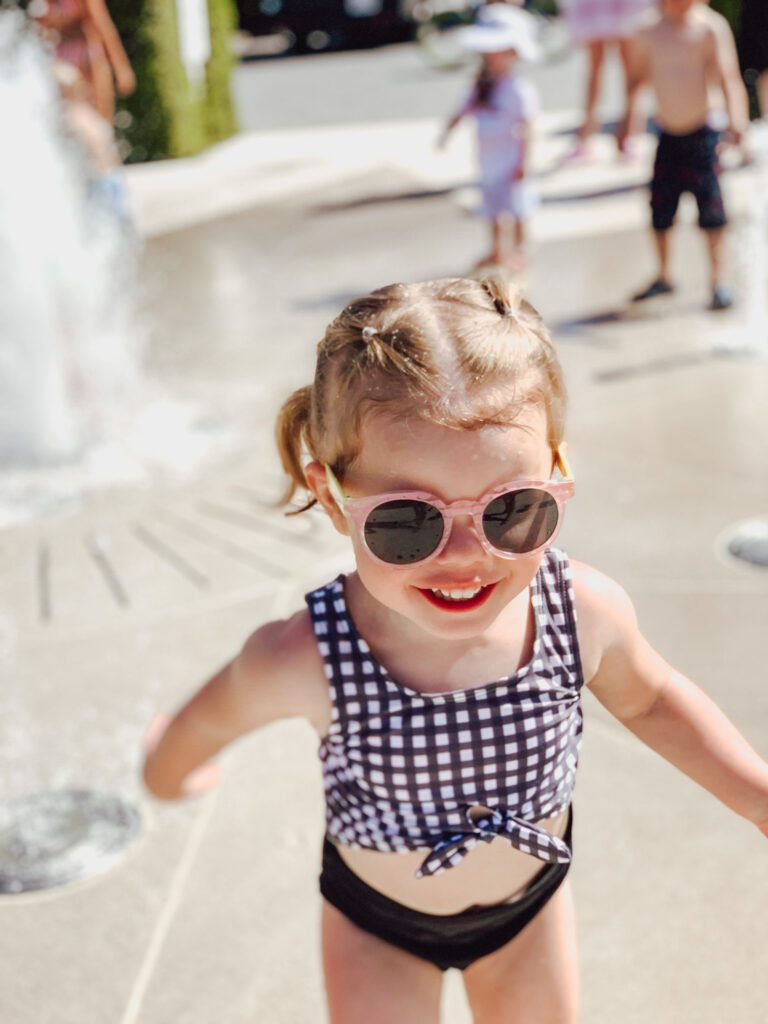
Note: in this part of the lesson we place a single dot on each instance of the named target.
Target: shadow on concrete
(663, 364)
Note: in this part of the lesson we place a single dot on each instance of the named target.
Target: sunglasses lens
(521, 521)
(401, 532)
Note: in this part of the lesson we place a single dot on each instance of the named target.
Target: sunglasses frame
(356, 510)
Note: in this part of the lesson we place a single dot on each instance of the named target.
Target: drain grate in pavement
(44, 581)
(171, 557)
(222, 545)
(97, 544)
(252, 521)
(164, 557)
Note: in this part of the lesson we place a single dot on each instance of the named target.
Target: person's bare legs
(516, 259)
(722, 296)
(596, 58)
(715, 238)
(762, 94)
(630, 124)
(519, 234)
(497, 252)
(369, 980)
(534, 978)
(661, 242)
(661, 285)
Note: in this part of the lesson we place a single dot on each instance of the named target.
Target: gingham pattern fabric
(405, 770)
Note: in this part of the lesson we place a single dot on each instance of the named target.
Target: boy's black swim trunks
(687, 163)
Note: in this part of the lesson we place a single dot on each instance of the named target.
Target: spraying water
(76, 413)
(69, 355)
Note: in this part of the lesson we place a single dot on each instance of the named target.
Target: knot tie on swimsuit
(485, 824)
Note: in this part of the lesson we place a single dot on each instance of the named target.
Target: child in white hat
(503, 105)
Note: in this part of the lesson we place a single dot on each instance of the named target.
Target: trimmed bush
(167, 116)
(731, 9)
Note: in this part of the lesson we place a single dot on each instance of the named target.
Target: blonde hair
(462, 353)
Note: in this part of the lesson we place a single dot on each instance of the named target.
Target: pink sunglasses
(514, 520)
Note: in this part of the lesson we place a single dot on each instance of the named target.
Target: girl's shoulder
(282, 657)
(605, 614)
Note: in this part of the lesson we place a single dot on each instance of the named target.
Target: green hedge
(166, 116)
(731, 9)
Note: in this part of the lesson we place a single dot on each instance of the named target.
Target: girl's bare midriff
(491, 873)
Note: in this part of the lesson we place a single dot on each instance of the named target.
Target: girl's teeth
(457, 595)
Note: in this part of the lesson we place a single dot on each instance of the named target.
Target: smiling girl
(443, 675)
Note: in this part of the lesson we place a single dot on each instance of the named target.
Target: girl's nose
(463, 544)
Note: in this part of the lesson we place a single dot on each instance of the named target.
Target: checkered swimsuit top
(405, 770)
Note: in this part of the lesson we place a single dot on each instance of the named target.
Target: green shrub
(218, 110)
(166, 115)
(731, 9)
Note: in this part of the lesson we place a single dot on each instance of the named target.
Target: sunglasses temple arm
(562, 464)
(334, 487)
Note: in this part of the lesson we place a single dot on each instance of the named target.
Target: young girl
(503, 105)
(444, 674)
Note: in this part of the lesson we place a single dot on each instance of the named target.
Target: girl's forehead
(408, 452)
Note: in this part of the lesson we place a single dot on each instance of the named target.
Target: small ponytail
(292, 432)
(508, 299)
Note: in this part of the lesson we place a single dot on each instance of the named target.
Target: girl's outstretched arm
(660, 706)
(278, 674)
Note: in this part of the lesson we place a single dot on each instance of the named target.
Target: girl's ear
(314, 473)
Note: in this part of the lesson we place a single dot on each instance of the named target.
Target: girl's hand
(155, 732)
(200, 780)
(208, 776)
(763, 826)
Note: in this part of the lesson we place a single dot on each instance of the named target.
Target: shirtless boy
(682, 56)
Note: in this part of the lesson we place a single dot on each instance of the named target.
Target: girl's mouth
(457, 600)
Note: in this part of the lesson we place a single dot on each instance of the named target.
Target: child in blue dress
(444, 674)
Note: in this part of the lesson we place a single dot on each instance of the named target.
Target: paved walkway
(124, 605)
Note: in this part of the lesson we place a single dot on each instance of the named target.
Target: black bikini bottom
(446, 940)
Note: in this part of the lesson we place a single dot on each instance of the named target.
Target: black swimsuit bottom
(445, 940)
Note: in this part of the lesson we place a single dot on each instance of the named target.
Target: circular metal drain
(53, 838)
(748, 542)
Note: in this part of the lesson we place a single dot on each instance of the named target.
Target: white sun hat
(499, 27)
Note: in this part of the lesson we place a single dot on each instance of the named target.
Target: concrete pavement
(127, 602)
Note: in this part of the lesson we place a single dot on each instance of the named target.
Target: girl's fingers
(155, 732)
(202, 779)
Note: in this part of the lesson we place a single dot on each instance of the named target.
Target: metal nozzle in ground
(748, 542)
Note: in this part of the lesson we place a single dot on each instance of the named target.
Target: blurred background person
(83, 34)
(598, 25)
(96, 139)
(503, 105)
(680, 55)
